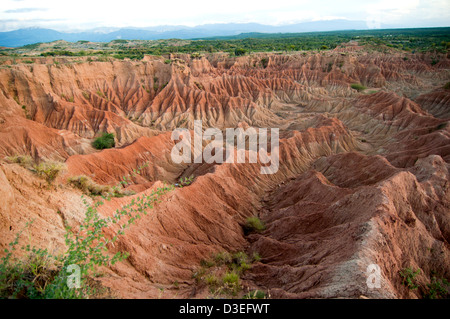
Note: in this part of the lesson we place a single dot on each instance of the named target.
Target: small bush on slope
(253, 224)
(222, 272)
(104, 141)
(48, 170)
(91, 188)
(358, 87)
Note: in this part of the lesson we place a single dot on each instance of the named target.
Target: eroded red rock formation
(363, 177)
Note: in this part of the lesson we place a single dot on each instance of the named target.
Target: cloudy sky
(87, 14)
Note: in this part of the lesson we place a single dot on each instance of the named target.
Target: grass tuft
(253, 224)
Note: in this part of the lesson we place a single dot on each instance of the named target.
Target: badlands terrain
(363, 174)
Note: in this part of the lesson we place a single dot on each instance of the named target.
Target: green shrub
(240, 263)
(49, 170)
(88, 186)
(358, 87)
(222, 272)
(264, 62)
(24, 108)
(223, 258)
(244, 266)
(240, 258)
(239, 51)
(23, 160)
(104, 141)
(409, 277)
(26, 278)
(437, 289)
(253, 224)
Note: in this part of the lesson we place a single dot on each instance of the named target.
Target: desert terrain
(363, 172)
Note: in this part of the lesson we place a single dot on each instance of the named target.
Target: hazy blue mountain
(22, 37)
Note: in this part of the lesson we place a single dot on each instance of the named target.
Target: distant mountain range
(23, 37)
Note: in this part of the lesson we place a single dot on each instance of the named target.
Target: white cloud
(89, 13)
(390, 11)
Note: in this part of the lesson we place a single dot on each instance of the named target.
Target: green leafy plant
(28, 277)
(106, 140)
(409, 277)
(437, 289)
